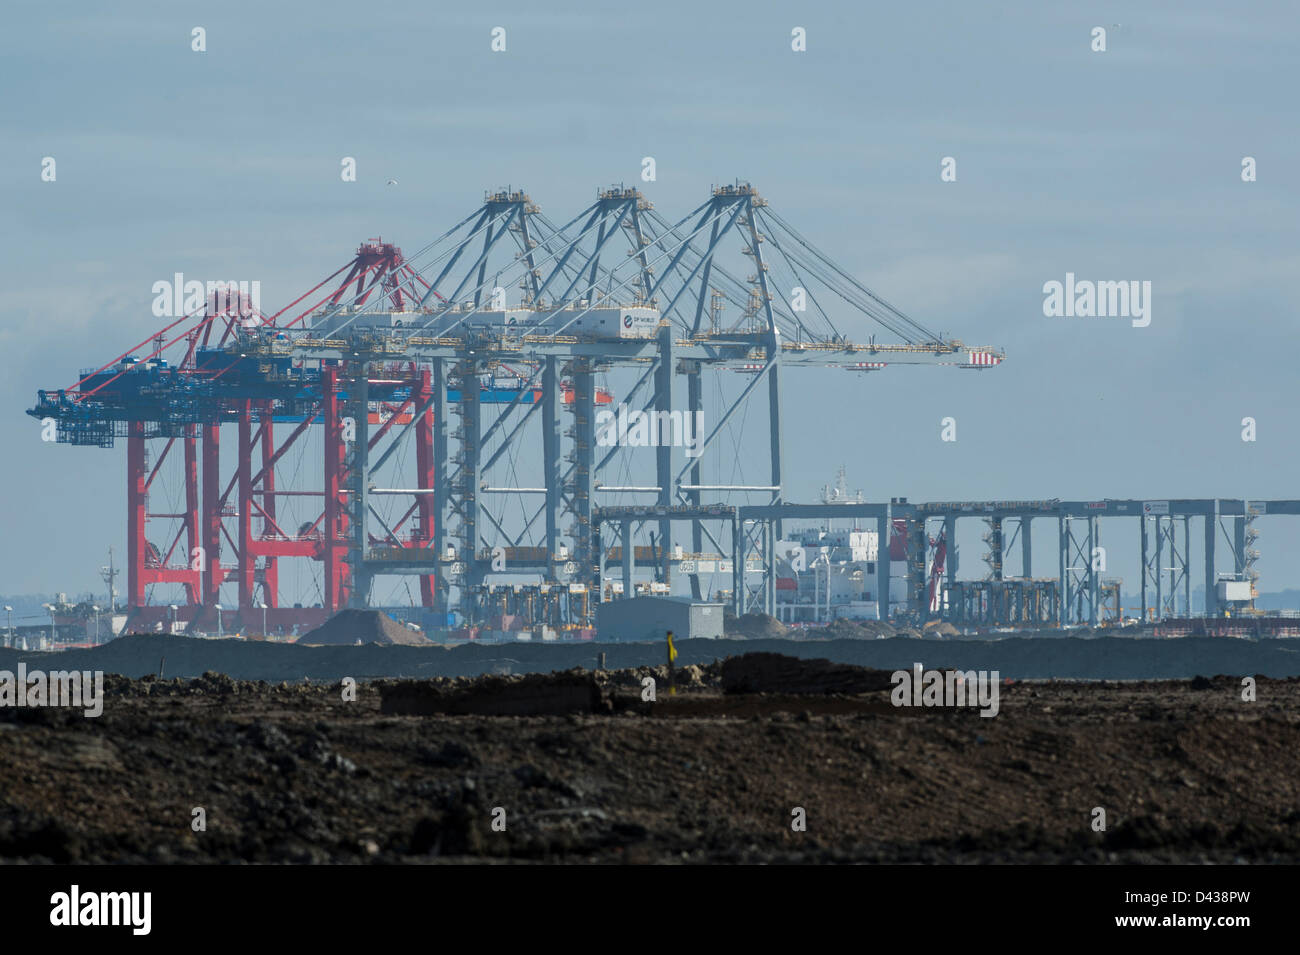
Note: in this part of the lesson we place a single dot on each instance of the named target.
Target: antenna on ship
(109, 575)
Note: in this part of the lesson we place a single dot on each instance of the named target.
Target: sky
(1117, 165)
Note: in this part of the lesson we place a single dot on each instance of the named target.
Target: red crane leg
(211, 437)
(136, 503)
(271, 575)
(247, 559)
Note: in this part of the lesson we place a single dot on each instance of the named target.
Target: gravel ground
(1021, 658)
(1186, 772)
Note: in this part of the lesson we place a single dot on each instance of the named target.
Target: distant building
(641, 619)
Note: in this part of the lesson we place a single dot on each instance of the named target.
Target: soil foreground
(580, 768)
(1020, 658)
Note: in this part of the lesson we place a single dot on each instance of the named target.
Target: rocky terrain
(1017, 657)
(419, 772)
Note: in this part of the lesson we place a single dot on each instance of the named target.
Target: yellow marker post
(672, 655)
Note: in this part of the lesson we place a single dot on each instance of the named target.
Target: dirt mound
(844, 629)
(538, 694)
(1019, 658)
(940, 628)
(874, 629)
(776, 673)
(755, 626)
(350, 627)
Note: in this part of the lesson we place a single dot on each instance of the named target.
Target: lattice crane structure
(493, 350)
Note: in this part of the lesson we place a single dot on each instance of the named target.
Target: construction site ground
(1113, 657)
(582, 769)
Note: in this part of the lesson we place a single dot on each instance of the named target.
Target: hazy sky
(1117, 165)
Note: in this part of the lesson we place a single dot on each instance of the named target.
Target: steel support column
(1211, 579)
(663, 403)
(769, 564)
(334, 533)
(629, 588)
(584, 411)
(694, 405)
(1094, 542)
(358, 484)
(774, 427)
(426, 479)
(193, 532)
(270, 572)
(994, 541)
(950, 557)
(1143, 615)
(211, 513)
(1239, 543)
(1063, 552)
(884, 528)
(471, 477)
(551, 479)
(737, 565)
(441, 475)
(1159, 574)
(1026, 548)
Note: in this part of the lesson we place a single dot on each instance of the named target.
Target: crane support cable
(769, 213)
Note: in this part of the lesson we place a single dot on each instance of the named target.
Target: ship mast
(109, 575)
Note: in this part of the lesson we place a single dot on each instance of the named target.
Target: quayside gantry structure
(1178, 540)
(552, 378)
